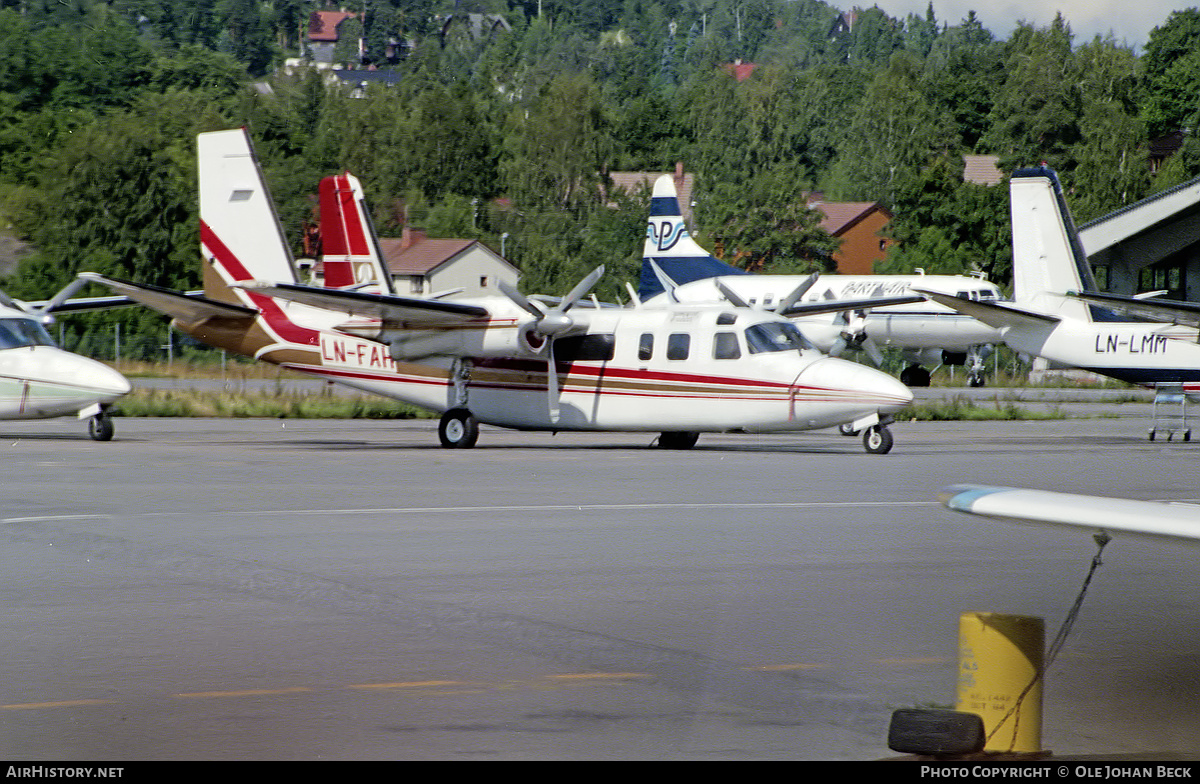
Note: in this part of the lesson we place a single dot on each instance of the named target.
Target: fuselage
(641, 369)
(39, 380)
(918, 325)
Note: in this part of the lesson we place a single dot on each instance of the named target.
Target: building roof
(741, 71)
(423, 255)
(982, 169)
(684, 185)
(323, 25)
(841, 216)
(1127, 222)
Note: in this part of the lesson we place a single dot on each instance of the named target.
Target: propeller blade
(797, 293)
(581, 289)
(838, 347)
(873, 352)
(552, 383)
(519, 299)
(664, 280)
(730, 295)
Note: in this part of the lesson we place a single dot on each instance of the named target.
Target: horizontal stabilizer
(188, 307)
(1112, 515)
(995, 314)
(1170, 311)
(413, 312)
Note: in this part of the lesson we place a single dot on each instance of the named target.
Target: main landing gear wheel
(100, 428)
(458, 429)
(680, 440)
(877, 440)
(914, 376)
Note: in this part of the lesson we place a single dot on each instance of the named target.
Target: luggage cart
(1174, 419)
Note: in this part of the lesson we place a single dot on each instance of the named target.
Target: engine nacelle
(518, 340)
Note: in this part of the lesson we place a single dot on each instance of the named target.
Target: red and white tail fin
(241, 239)
(349, 247)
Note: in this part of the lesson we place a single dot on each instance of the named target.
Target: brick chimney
(410, 237)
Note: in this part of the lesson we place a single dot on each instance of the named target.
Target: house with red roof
(860, 227)
(324, 30)
(421, 265)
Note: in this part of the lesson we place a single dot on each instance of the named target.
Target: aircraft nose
(100, 377)
(866, 385)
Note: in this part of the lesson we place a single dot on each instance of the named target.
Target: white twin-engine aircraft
(1058, 314)
(39, 380)
(674, 266)
(501, 360)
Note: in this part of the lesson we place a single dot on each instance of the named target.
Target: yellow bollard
(999, 657)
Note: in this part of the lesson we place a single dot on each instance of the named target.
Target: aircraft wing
(994, 314)
(839, 305)
(411, 311)
(188, 307)
(1112, 515)
(1167, 310)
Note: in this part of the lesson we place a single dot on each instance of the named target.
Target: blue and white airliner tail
(670, 246)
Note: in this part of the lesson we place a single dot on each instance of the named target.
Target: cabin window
(725, 346)
(727, 318)
(646, 346)
(775, 336)
(679, 345)
(585, 348)
(483, 281)
(21, 332)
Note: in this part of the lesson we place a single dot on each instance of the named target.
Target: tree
(766, 225)
(1038, 108)
(893, 134)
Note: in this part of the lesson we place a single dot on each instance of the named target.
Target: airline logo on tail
(669, 245)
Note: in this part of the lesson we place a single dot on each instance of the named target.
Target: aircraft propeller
(854, 336)
(553, 324)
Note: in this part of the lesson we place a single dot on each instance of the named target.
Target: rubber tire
(976, 381)
(914, 376)
(877, 440)
(684, 439)
(100, 428)
(933, 732)
(458, 429)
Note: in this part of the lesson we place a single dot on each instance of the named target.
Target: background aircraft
(878, 309)
(1096, 513)
(503, 360)
(40, 380)
(1050, 318)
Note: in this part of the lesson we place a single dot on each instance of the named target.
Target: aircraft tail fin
(669, 245)
(351, 256)
(1047, 254)
(241, 239)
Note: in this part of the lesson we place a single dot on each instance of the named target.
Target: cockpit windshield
(775, 336)
(22, 332)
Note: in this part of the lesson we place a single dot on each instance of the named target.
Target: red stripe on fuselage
(535, 365)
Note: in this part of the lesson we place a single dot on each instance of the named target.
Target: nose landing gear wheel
(458, 429)
(877, 440)
(100, 428)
